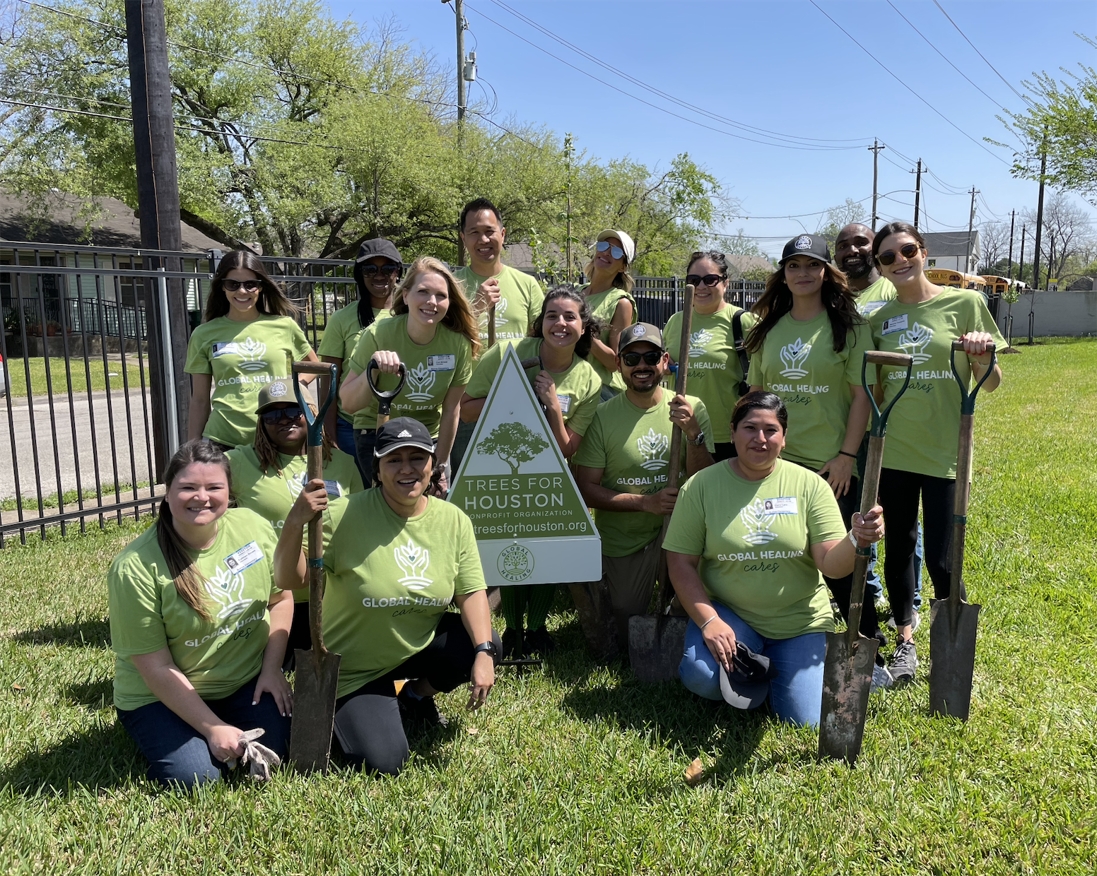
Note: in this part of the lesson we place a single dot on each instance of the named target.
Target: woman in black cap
(807, 346)
(377, 270)
(396, 560)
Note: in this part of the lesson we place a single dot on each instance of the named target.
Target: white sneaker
(915, 620)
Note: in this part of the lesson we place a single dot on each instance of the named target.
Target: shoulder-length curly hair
(272, 300)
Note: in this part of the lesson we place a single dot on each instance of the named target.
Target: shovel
(655, 644)
(384, 398)
(847, 672)
(954, 622)
(317, 670)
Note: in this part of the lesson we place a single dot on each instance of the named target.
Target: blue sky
(780, 66)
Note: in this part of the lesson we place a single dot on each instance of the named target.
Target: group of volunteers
(762, 533)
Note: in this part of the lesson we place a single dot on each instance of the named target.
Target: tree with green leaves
(513, 443)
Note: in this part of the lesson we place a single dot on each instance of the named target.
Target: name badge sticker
(780, 505)
(225, 348)
(245, 557)
(442, 362)
(565, 403)
(334, 490)
(893, 325)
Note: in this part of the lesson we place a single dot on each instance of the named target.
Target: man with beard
(623, 473)
(853, 254)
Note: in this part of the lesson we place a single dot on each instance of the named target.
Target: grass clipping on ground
(576, 768)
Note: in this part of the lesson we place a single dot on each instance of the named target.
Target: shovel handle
(534, 362)
(967, 399)
(894, 360)
(384, 397)
(491, 326)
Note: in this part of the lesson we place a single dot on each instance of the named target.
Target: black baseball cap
(747, 685)
(402, 432)
(641, 331)
(806, 244)
(378, 246)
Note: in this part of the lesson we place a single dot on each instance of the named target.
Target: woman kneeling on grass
(396, 560)
(198, 627)
(748, 543)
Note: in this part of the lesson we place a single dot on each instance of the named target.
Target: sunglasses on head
(707, 280)
(383, 270)
(614, 251)
(246, 285)
(651, 357)
(281, 415)
(907, 251)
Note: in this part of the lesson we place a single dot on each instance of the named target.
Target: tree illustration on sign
(514, 444)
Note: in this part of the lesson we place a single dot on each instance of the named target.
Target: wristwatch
(490, 647)
(699, 440)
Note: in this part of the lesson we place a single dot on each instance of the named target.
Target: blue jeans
(178, 754)
(795, 695)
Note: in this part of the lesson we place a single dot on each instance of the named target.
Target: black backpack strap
(741, 350)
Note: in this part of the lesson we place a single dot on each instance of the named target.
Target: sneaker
(512, 644)
(539, 642)
(903, 662)
(881, 679)
(423, 711)
(915, 620)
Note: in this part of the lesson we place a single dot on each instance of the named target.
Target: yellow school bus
(956, 279)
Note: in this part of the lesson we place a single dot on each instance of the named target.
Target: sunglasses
(246, 285)
(907, 251)
(707, 280)
(614, 251)
(383, 270)
(651, 357)
(281, 415)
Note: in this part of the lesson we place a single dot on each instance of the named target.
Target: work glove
(256, 757)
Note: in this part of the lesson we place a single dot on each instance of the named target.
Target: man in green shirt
(623, 474)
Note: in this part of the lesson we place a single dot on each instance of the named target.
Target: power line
(907, 87)
(980, 54)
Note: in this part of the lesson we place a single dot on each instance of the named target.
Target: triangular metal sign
(532, 525)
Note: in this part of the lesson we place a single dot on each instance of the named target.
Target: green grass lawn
(577, 768)
(76, 376)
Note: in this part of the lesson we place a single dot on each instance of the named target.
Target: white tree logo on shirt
(914, 342)
(757, 520)
(413, 561)
(226, 590)
(794, 356)
(698, 341)
(653, 448)
(500, 314)
(296, 484)
(251, 355)
(420, 382)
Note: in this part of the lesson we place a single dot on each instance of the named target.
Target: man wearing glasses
(623, 474)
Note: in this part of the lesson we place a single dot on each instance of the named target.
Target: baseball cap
(747, 685)
(402, 432)
(378, 246)
(626, 242)
(641, 331)
(806, 244)
(279, 392)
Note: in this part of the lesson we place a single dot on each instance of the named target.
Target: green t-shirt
(872, 298)
(757, 560)
(714, 372)
(242, 357)
(432, 369)
(271, 495)
(578, 388)
(341, 335)
(147, 613)
(602, 307)
(520, 299)
(923, 430)
(632, 447)
(389, 578)
(797, 362)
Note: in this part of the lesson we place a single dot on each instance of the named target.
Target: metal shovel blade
(654, 648)
(315, 683)
(847, 678)
(952, 635)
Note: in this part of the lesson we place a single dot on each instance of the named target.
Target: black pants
(899, 495)
(841, 588)
(367, 721)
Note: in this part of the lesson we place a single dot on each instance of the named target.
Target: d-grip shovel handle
(894, 360)
(534, 362)
(967, 399)
(315, 421)
(384, 398)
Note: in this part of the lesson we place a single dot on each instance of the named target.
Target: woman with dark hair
(568, 389)
(749, 541)
(715, 371)
(198, 627)
(433, 333)
(248, 338)
(923, 432)
(609, 294)
(377, 270)
(808, 346)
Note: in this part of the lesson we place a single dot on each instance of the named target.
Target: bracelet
(850, 455)
(710, 620)
(853, 539)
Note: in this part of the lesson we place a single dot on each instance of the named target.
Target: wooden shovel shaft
(869, 491)
(491, 326)
(316, 553)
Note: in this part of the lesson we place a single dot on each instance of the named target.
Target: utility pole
(917, 193)
(1021, 258)
(158, 205)
(1009, 269)
(1039, 223)
(970, 225)
(459, 9)
(569, 153)
(875, 149)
